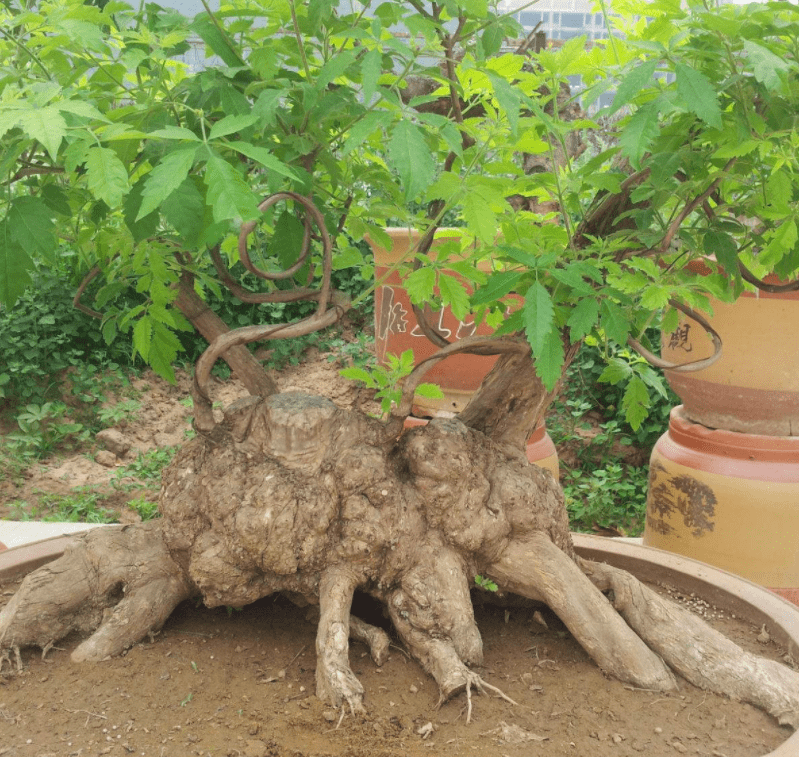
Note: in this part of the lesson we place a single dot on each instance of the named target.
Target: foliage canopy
(113, 148)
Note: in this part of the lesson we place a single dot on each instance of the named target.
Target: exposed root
(537, 569)
(119, 583)
(375, 638)
(335, 682)
(699, 653)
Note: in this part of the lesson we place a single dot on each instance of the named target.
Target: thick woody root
(118, 583)
(537, 569)
(699, 653)
(336, 684)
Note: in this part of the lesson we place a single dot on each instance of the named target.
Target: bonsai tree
(308, 133)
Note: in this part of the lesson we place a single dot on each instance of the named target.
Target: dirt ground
(241, 684)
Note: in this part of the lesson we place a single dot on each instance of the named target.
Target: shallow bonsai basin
(726, 591)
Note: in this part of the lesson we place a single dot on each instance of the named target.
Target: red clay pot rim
(725, 590)
(732, 444)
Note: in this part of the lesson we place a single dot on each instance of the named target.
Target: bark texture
(290, 493)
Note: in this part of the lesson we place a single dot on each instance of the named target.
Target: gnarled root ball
(292, 494)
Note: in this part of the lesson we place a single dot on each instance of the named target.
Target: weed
(147, 466)
(146, 508)
(359, 353)
(485, 583)
(187, 700)
(386, 380)
(44, 427)
(613, 496)
(82, 505)
(117, 413)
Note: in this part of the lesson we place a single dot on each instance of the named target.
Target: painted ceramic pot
(729, 499)
(540, 447)
(754, 386)
(397, 330)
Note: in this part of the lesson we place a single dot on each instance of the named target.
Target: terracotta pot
(726, 591)
(754, 387)
(540, 447)
(728, 499)
(397, 330)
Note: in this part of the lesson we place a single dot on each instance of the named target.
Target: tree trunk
(241, 361)
(512, 400)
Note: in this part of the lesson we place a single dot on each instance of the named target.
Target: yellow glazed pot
(754, 386)
(729, 499)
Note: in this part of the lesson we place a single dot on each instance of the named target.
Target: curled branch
(331, 306)
(473, 345)
(692, 366)
(747, 275)
(203, 414)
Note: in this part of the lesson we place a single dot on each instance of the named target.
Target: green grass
(82, 505)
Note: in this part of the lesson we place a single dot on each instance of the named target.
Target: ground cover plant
(318, 126)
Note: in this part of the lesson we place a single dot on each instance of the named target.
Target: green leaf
(635, 402)
(492, 40)
(454, 294)
(614, 322)
(15, 265)
(164, 348)
(480, 219)
(228, 193)
(265, 158)
(347, 257)
(363, 129)
(165, 178)
(31, 225)
(143, 336)
(267, 104)
(231, 125)
(632, 84)
(549, 361)
(539, 316)
(572, 276)
(582, 319)
(56, 199)
(655, 297)
(616, 371)
(420, 284)
(358, 374)
(639, 132)
(173, 132)
(766, 66)
(430, 391)
(286, 242)
(46, 125)
(371, 68)
(498, 285)
(723, 247)
(185, 210)
(107, 177)
(508, 99)
(217, 40)
(782, 241)
(334, 68)
(81, 108)
(698, 94)
(411, 159)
